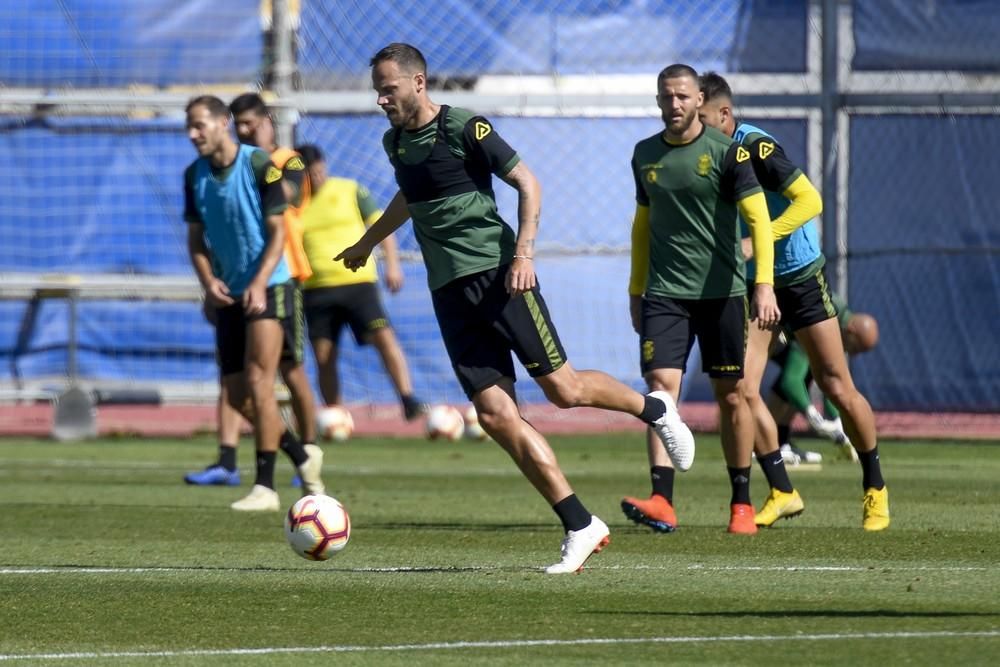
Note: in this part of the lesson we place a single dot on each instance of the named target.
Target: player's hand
(765, 306)
(746, 245)
(520, 276)
(635, 311)
(393, 279)
(217, 294)
(255, 299)
(356, 256)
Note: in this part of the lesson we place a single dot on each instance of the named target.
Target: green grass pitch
(107, 558)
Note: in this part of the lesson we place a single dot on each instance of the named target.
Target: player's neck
(687, 136)
(225, 155)
(425, 114)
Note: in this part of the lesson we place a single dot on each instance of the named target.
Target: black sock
(653, 409)
(784, 434)
(572, 513)
(871, 470)
(774, 470)
(663, 481)
(739, 478)
(227, 457)
(265, 469)
(292, 448)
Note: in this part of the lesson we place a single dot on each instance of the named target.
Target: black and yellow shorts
(804, 303)
(481, 325)
(358, 306)
(284, 303)
(669, 327)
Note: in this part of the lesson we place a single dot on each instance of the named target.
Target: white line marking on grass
(523, 643)
(834, 568)
(455, 569)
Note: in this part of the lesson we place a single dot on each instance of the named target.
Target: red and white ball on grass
(317, 527)
(334, 422)
(444, 422)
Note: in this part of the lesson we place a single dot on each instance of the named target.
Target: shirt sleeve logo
(765, 148)
(651, 176)
(704, 164)
(295, 164)
(482, 130)
(742, 154)
(273, 174)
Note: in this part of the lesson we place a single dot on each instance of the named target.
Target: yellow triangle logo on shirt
(482, 129)
(765, 148)
(273, 174)
(742, 154)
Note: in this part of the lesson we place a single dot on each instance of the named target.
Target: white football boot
(310, 470)
(260, 499)
(674, 433)
(579, 545)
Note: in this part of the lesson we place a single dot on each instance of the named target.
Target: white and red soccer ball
(444, 422)
(334, 422)
(317, 527)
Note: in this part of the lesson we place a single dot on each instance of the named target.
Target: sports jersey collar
(663, 138)
(432, 121)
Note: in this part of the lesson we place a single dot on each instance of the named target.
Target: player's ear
(419, 81)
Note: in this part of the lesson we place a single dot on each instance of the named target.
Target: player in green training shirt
(483, 285)
(688, 277)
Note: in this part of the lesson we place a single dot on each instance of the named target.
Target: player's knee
(257, 380)
(497, 418)
(836, 388)
(751, 394)
(729, 395)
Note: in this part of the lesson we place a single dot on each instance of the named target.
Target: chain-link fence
(91, 106)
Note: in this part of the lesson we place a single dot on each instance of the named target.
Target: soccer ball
(334, 422)
(444, 422)
(317, 527)
(473, 430)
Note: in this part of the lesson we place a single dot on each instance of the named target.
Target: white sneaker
(674, 433)
(793, 455)
(310, 471)
(579, 545)
(789, 456)
(260, 499)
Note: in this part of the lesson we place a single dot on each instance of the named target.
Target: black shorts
(284, 303)
(669, 327)
(481, 325)
(804, 304)
(359, 306)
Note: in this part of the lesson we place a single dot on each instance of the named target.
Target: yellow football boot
(779, 505)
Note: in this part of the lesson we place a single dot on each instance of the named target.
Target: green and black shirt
(691, 191)
(445, 170)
